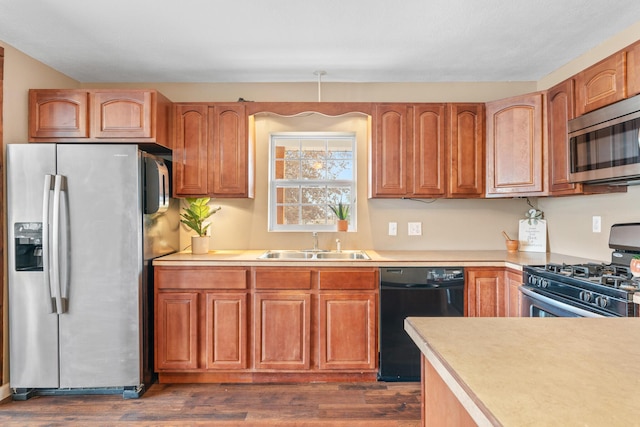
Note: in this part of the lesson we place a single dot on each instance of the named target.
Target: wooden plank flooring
(376, 404)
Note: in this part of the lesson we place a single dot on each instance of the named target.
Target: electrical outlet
(596, 224)
(393, 229)
(415, 229)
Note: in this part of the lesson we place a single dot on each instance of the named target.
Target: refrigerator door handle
(58, 265)
(46, 249)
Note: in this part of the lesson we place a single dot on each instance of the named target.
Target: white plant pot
(199, 245)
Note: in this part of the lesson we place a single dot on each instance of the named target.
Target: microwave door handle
(46, 248)
(55, 245)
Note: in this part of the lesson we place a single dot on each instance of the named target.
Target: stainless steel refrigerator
(84, 222)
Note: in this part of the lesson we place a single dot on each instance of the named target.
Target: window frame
(274, 183)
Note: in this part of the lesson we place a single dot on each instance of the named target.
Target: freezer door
(100, 335)
(33, 327)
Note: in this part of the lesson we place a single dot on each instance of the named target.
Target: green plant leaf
(196, 213)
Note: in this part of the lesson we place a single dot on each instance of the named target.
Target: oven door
(535, 304)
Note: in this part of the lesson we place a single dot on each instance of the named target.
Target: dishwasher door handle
(443, 285)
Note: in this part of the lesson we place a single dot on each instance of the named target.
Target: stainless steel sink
(342, 255)
(313, 255)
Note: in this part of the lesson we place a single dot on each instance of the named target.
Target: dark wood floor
(375, 404)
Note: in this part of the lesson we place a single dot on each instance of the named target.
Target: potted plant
(194, 217)
(342, 213)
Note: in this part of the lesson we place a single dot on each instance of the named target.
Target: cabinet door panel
(429, 158)
(390, 150)
(58, 114)
(485, 292)
(121, 114)
(226, 336)
(282, 278)
(515, 156)
(348, 331)
(229, 159)
(466, 148)
(514, 296)
(176, 336)
(633, 69)
(560, 109)
(201, 278)
(601, 84)
(357, 278)
(282, 331)
(190, 151)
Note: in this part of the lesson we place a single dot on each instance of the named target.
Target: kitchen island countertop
(537, 371)
(489, 258)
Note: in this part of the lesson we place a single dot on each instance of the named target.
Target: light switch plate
(596, 225)
(415, 229)
(393, 229)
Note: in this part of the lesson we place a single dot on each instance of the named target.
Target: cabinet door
(348, 331)
(190, 151)
(601, 84)
(282, 331)
(226, 330)
(485, 292)
(466, 150)
(390, 151)
(633, 69)
(513, 297)
(429, 154)
(126, 114)
(559, 110)
(58, 114)
(515, 146)
(229, 159)
(176, 331)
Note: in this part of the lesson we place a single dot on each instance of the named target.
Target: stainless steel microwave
(605, 144)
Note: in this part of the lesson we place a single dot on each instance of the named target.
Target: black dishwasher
(418, 292)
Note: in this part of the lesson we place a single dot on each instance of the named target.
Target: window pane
(314, 196)
(339, 169)
(291, 215)
(291, 195)
(291, 169)
(314, 214)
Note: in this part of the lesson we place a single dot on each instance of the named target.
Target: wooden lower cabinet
(440, 406)
(282, 330)
(485, 292)
(226, 330)
(348, 330)
(176, 331)
(259, 324)
(513, 295)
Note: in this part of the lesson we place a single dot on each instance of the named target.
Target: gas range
(601, 289)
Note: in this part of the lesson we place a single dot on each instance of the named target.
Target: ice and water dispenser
(28, 246)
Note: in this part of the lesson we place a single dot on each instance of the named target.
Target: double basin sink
(313, 255)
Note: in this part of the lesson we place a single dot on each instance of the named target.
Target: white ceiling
(288, 40)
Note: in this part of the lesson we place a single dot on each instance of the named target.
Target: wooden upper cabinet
(230, 158)
(515, 146)
(633, 69)
(121, 114)
(601, 84)
(58, 114)
(429, 155)
(212, 155)
(99, 115)
(560, 110)
(390, 151)
(466, 150)
(190, 166)
(427, 150)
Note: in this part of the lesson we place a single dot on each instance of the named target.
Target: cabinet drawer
(349, 279)
(282, 278)
(200, 278)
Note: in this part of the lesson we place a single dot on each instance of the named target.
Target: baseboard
(5, 392)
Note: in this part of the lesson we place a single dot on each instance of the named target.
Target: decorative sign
(533, 235)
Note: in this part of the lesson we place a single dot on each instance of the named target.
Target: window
(308, 172)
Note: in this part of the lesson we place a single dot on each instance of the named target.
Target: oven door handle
(558, 304)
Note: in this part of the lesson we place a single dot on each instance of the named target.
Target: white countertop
(537, 371)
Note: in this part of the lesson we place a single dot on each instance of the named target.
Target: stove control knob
(585, 296)
(602, 302)
(544, 283)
